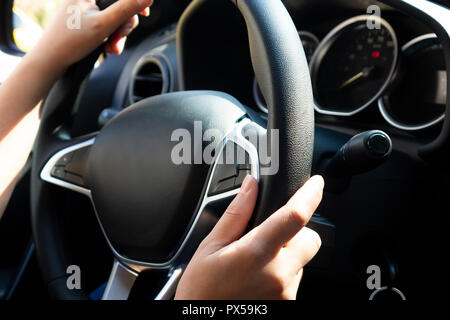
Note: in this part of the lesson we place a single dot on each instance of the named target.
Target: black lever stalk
(362, 153)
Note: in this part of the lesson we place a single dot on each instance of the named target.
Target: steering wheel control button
(58, 172)
(74, 179)
(241, 177)
(64, 160)
(78, 163)
(72, 167)
(223, 186)
(229, 176)
(244, 167)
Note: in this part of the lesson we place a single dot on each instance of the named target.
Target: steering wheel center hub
(145, 198)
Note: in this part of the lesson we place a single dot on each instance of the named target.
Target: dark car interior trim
(374, 212)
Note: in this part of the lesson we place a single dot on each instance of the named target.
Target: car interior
(364, 105)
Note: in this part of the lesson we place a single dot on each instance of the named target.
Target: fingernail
(121, 45)
(246, 184)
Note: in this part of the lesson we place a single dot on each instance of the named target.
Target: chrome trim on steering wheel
(46, 173)
(120, 282)
(169, 289)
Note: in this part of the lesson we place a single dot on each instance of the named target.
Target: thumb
(234, 221)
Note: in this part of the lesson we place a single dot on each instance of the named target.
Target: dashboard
(369, 71)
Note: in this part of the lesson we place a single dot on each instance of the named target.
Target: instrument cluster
(359, 64)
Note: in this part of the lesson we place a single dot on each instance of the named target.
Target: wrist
(47, 66)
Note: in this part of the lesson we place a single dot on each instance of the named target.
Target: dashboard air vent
(150, 78)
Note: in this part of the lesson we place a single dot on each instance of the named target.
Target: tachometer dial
(418, 99)
(353, 65)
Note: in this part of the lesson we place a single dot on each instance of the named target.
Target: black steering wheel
(153, 211)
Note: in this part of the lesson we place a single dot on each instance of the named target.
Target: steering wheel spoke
(120, 283)
(167, 292)
(67, 167)
(123, 278)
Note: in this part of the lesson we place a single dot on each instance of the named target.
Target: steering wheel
(154, 210)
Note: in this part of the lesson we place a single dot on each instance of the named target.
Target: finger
(116, 42)
(130, 25)
(145, 13)
(119, 12)
(303, 247)
(234, 221)
(284, 224)
(292, 288)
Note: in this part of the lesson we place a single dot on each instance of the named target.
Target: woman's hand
(267, 262)
(80, 27)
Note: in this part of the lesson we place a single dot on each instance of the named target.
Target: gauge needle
(365, 73)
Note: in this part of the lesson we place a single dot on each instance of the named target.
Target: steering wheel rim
(282, 72)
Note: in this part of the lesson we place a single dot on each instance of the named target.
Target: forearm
(24, 89)
(14, 152)
(20, 97)
(15, 148)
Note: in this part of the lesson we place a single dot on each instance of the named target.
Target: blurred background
(30, 18)
(40, 11)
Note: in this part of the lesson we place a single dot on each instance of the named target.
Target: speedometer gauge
(353, 65)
